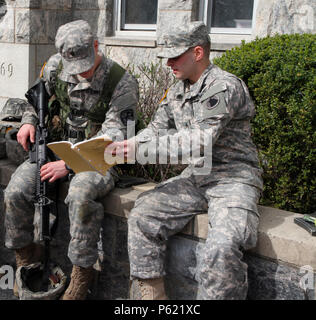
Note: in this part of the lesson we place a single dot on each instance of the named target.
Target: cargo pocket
(250, 213)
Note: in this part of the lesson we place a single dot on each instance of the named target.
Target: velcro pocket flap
(219, 87)
(244, 204)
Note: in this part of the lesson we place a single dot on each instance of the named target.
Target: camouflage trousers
(85, 211)
(233, 223)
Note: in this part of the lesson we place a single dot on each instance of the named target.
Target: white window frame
(205, 13)
(123, 29)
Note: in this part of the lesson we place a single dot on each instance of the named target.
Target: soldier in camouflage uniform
(215, 105)
(90, 95)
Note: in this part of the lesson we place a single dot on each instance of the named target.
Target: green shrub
(280, 74)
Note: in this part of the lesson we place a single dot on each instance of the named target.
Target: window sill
(222, 42)
(219, 42)
(147, 42)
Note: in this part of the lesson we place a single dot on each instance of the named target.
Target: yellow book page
(64, 151)
(93, 151)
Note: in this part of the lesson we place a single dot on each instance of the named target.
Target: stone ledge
(223, 42)
(279, 238)
(130, 42)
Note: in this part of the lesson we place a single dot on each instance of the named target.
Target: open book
(87, 155)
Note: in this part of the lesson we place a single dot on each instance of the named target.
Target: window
(228, 16)
(136, 15)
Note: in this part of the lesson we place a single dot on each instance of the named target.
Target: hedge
(280, 74)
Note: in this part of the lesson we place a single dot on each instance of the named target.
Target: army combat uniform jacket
(218, 107)
(85, 106)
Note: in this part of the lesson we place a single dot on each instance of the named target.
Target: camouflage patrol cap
(179, 41)
(12, 111)
(74, 41)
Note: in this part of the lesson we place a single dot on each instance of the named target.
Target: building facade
(130, 31)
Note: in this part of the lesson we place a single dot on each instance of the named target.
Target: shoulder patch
(213, 102)
(215, 106)
(213, 110)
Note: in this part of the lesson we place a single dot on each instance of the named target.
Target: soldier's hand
(53, 170)
(26, 134)
(120, 150)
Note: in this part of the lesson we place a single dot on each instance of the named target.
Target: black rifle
(38, 98)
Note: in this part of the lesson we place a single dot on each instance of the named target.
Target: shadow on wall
(6, 23)
(3, 9)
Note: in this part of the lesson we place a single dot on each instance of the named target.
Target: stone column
(15, 60)
(27, 32)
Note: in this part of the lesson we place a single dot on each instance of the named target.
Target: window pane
(232, 13)
(141, 11)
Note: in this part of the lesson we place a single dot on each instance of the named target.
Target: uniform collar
(194, 89)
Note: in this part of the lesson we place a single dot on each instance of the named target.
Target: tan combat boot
(148, 289)
(24, 256)
(79, 283)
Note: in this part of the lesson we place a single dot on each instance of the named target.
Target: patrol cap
(12, 111)
(179, 41)
(74, 41)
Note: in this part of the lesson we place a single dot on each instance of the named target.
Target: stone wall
(285, 16)
(269, 278)
(27, 32)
